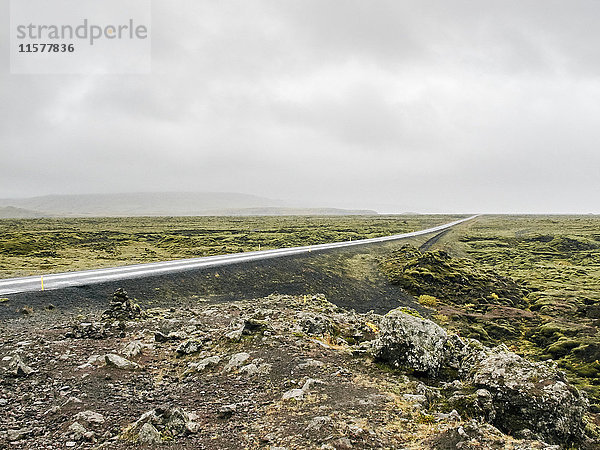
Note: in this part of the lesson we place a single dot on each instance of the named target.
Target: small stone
(317, 423)
(90, 417)
(309, 363)
(88, 330)
(94, 359)
(310, 383)
(204, 363)
(17, 435)
(226, 411)
(160, 337)
(192, 427)
(78, 430)
(52, 410)
(89, 436)
(342, 443)
(149, 434)
(293, 394)
(172, 336)
(189, 347)
(264, 369)
(133, 349)
(119, 362)
(250, 369)
(236, 361)
(19, 369)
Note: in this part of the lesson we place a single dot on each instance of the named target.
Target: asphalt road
(87, 277)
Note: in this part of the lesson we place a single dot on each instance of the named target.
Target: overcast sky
(430, 106)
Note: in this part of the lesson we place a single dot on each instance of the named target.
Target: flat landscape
(39, 246)
(300, 353)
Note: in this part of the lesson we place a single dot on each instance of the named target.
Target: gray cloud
(392, 105)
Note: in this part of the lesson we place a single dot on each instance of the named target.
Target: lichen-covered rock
(509, 391)
(315, 324)
(476, 435)
(204, 363)
(478, 404)
(531, 395)
(161, 423)
(245, 326)
(461, 354)
(148, 434)
(189, 347)
(236, 361)
(408, 341)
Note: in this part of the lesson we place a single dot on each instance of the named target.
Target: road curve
(86, 277)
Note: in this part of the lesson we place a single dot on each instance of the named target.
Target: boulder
(412, 342)
(530, 396)
(514, 394)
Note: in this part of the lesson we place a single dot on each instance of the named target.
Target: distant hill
(10, 212)
(162, 204)
(291, 212)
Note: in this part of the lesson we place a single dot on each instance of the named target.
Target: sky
(421, 106)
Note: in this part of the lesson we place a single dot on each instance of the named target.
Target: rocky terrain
(531, 283)
(275, 372)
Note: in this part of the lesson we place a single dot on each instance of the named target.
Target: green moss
(411, 312)
(455, 280)
(557, 259)
(424, 418)
(562, 347)
(428, 300)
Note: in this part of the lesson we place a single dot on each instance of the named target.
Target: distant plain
(50, 245)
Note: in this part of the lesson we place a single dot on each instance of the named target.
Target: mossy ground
(532, 282)
(39, 246)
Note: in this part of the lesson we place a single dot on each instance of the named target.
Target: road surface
(86, 277)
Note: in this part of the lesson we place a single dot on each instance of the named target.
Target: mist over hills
(157, 204)
(10, 212)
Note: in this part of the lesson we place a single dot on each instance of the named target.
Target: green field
(40, 246)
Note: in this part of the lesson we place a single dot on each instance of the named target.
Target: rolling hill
(158, 204)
